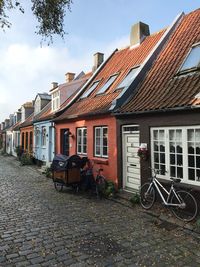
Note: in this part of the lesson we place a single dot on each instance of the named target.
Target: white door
(131, 161)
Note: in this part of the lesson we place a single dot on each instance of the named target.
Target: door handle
(134, 165)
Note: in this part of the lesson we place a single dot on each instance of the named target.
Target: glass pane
(162, 158)
(79, 148)
(172, 159)
(191, 161)
(179, 160)
(107, 84)
(179, 148)
(162, 146)
(98, 132)
(161, 135)
(197, 148)
(128, 79)
(179, 135)
(84, 149)
(155, 146)
(190, 135)
(90, 90)
(172, 171)
(162, 168)
(179, 172)
(197, 135)
(105, 151)
(197, 162)
(97, 150)
(190, 148)
(193, 59)
(191, 174)
(155, 135)
(156, 166)
(172, 135)
(156, 157)
(198, 175)
(172, 147)
(98, 141)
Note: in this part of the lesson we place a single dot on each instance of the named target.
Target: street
(42, 227)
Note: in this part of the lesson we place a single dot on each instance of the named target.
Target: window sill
(103, 161)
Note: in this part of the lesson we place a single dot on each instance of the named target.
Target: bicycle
(182, 204)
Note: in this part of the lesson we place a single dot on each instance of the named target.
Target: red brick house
(87, 126)
(164, 113)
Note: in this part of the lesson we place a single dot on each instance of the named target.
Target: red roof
(120, 62)
(163, 88)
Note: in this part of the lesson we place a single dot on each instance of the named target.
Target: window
(177, 151)
(26, 142)
(192, 60)
(101, 141)
(82, 140)
(43, 136)
(90, 90)
(107, 84)
(55, 100)
(37, 136)
(129, 78)
(31, 140)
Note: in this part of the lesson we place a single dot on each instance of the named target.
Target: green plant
(26, 159)
(135, 199)
(19, 151)
(198, 223)
(109, 190)
(48, 172)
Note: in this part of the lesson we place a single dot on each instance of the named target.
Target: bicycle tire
(188, 212)
(147, 199)
(58, 186)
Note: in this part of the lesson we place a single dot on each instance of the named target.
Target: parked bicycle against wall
(181, 203)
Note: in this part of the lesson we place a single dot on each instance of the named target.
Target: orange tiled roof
(163, 88)
(120, 62)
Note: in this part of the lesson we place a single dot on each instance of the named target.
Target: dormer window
(90, 90)
(55, 100)
(37, 106)
(109, 82)
(129, 78)
(192, 61)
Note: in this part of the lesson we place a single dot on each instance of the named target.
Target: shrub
(19, 151)
(135, 199)
(109, 190)
(26, 159)
(48, 172)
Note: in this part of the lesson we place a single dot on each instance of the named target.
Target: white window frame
(101, 128)
(55, 105)
(81, 131)
(185, 164)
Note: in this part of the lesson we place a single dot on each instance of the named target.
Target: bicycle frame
(166, 200)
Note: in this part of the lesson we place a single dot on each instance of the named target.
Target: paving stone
(42, 227)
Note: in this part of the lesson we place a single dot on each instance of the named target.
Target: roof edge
(130, 90)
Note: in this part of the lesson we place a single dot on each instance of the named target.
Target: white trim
(81, 129)
(184, 153)
(101, 128)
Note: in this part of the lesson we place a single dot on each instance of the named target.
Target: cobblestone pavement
(41, 227)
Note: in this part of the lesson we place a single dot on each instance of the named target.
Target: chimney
(139, 31)
(98, 59)
(69, 76)
(54, 85)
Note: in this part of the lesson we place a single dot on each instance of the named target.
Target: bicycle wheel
(147, 196)
(58, 186)
(187, 211)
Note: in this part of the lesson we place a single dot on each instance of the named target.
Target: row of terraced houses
(145, 97)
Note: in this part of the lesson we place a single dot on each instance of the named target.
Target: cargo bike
(71, 172)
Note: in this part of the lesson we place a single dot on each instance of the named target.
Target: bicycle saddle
(176, 180)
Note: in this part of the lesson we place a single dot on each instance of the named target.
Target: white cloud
(27, 70)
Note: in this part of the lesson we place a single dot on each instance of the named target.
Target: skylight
(107, 84)
(90, 90)
(129, 78)
(192, 60)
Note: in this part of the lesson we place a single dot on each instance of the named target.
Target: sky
(27, 68)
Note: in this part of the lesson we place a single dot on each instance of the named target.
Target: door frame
(123, 151)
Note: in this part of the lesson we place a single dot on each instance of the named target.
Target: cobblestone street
(41, 227)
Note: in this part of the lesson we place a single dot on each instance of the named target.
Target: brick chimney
(98, 59)
(54, 85)
(139, 31)
(69, 76)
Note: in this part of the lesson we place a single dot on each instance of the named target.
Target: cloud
(27, 69)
